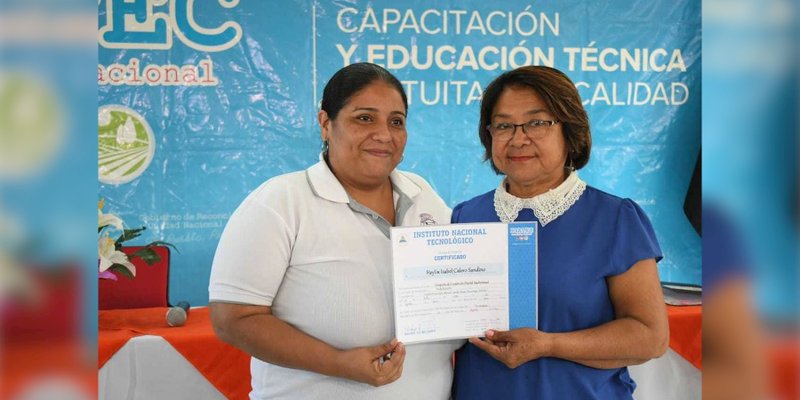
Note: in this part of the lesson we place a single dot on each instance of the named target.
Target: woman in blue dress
(600, 302)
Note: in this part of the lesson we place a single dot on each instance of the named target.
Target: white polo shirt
(299, 245)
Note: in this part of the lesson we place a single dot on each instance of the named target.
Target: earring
(571, 166)
(325, 148)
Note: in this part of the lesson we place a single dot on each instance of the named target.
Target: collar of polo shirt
(325, 184)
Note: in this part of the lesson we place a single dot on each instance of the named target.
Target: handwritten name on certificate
(457, 281)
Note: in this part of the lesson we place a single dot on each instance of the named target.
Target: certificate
(457, 281)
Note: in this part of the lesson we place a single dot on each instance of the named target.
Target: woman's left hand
(515, 347)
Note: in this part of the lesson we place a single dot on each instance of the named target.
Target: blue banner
(201, 101)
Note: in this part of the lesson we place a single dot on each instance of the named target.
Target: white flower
(108, 219)
(109, 255)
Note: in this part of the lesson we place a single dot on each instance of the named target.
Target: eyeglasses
(533, 129)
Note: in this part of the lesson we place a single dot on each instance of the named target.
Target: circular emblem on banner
(125, 144)
(31, 125)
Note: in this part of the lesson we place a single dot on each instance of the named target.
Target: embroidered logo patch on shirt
(426, 219)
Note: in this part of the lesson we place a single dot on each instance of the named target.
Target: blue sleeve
(454, 218)
(634, 238)
(724, 255)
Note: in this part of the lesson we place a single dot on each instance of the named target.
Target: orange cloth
(784, 360)
(686, 332)
(226, 367)
(39, 364)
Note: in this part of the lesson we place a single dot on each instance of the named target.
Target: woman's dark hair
(561, 98)
(349, 80)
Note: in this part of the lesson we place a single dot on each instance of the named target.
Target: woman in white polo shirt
(302, 276)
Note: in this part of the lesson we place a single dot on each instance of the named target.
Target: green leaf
(147, 255)
(163, 243)
(120, 269)
(128, 234)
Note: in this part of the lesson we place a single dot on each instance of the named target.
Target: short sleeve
(252, 256)
(454, 218)
(634, 238)
(724, 255)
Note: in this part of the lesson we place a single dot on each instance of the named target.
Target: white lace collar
(547, 206)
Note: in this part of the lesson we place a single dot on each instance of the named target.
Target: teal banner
(201, 101)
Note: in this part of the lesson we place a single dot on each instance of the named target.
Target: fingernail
(489, 333)
(394, 341)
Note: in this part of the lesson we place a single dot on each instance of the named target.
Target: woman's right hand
(258, 332)
(377, 365)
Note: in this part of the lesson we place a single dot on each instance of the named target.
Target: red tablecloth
(39, 364)
(228, 368)
(783, 356)
(686, 332)
(225, 367)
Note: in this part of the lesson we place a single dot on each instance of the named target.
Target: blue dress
(599, 236)
(724, 256)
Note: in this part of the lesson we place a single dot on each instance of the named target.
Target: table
(667, 377)
(189, 362)
(132, 374)
(141, 357)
